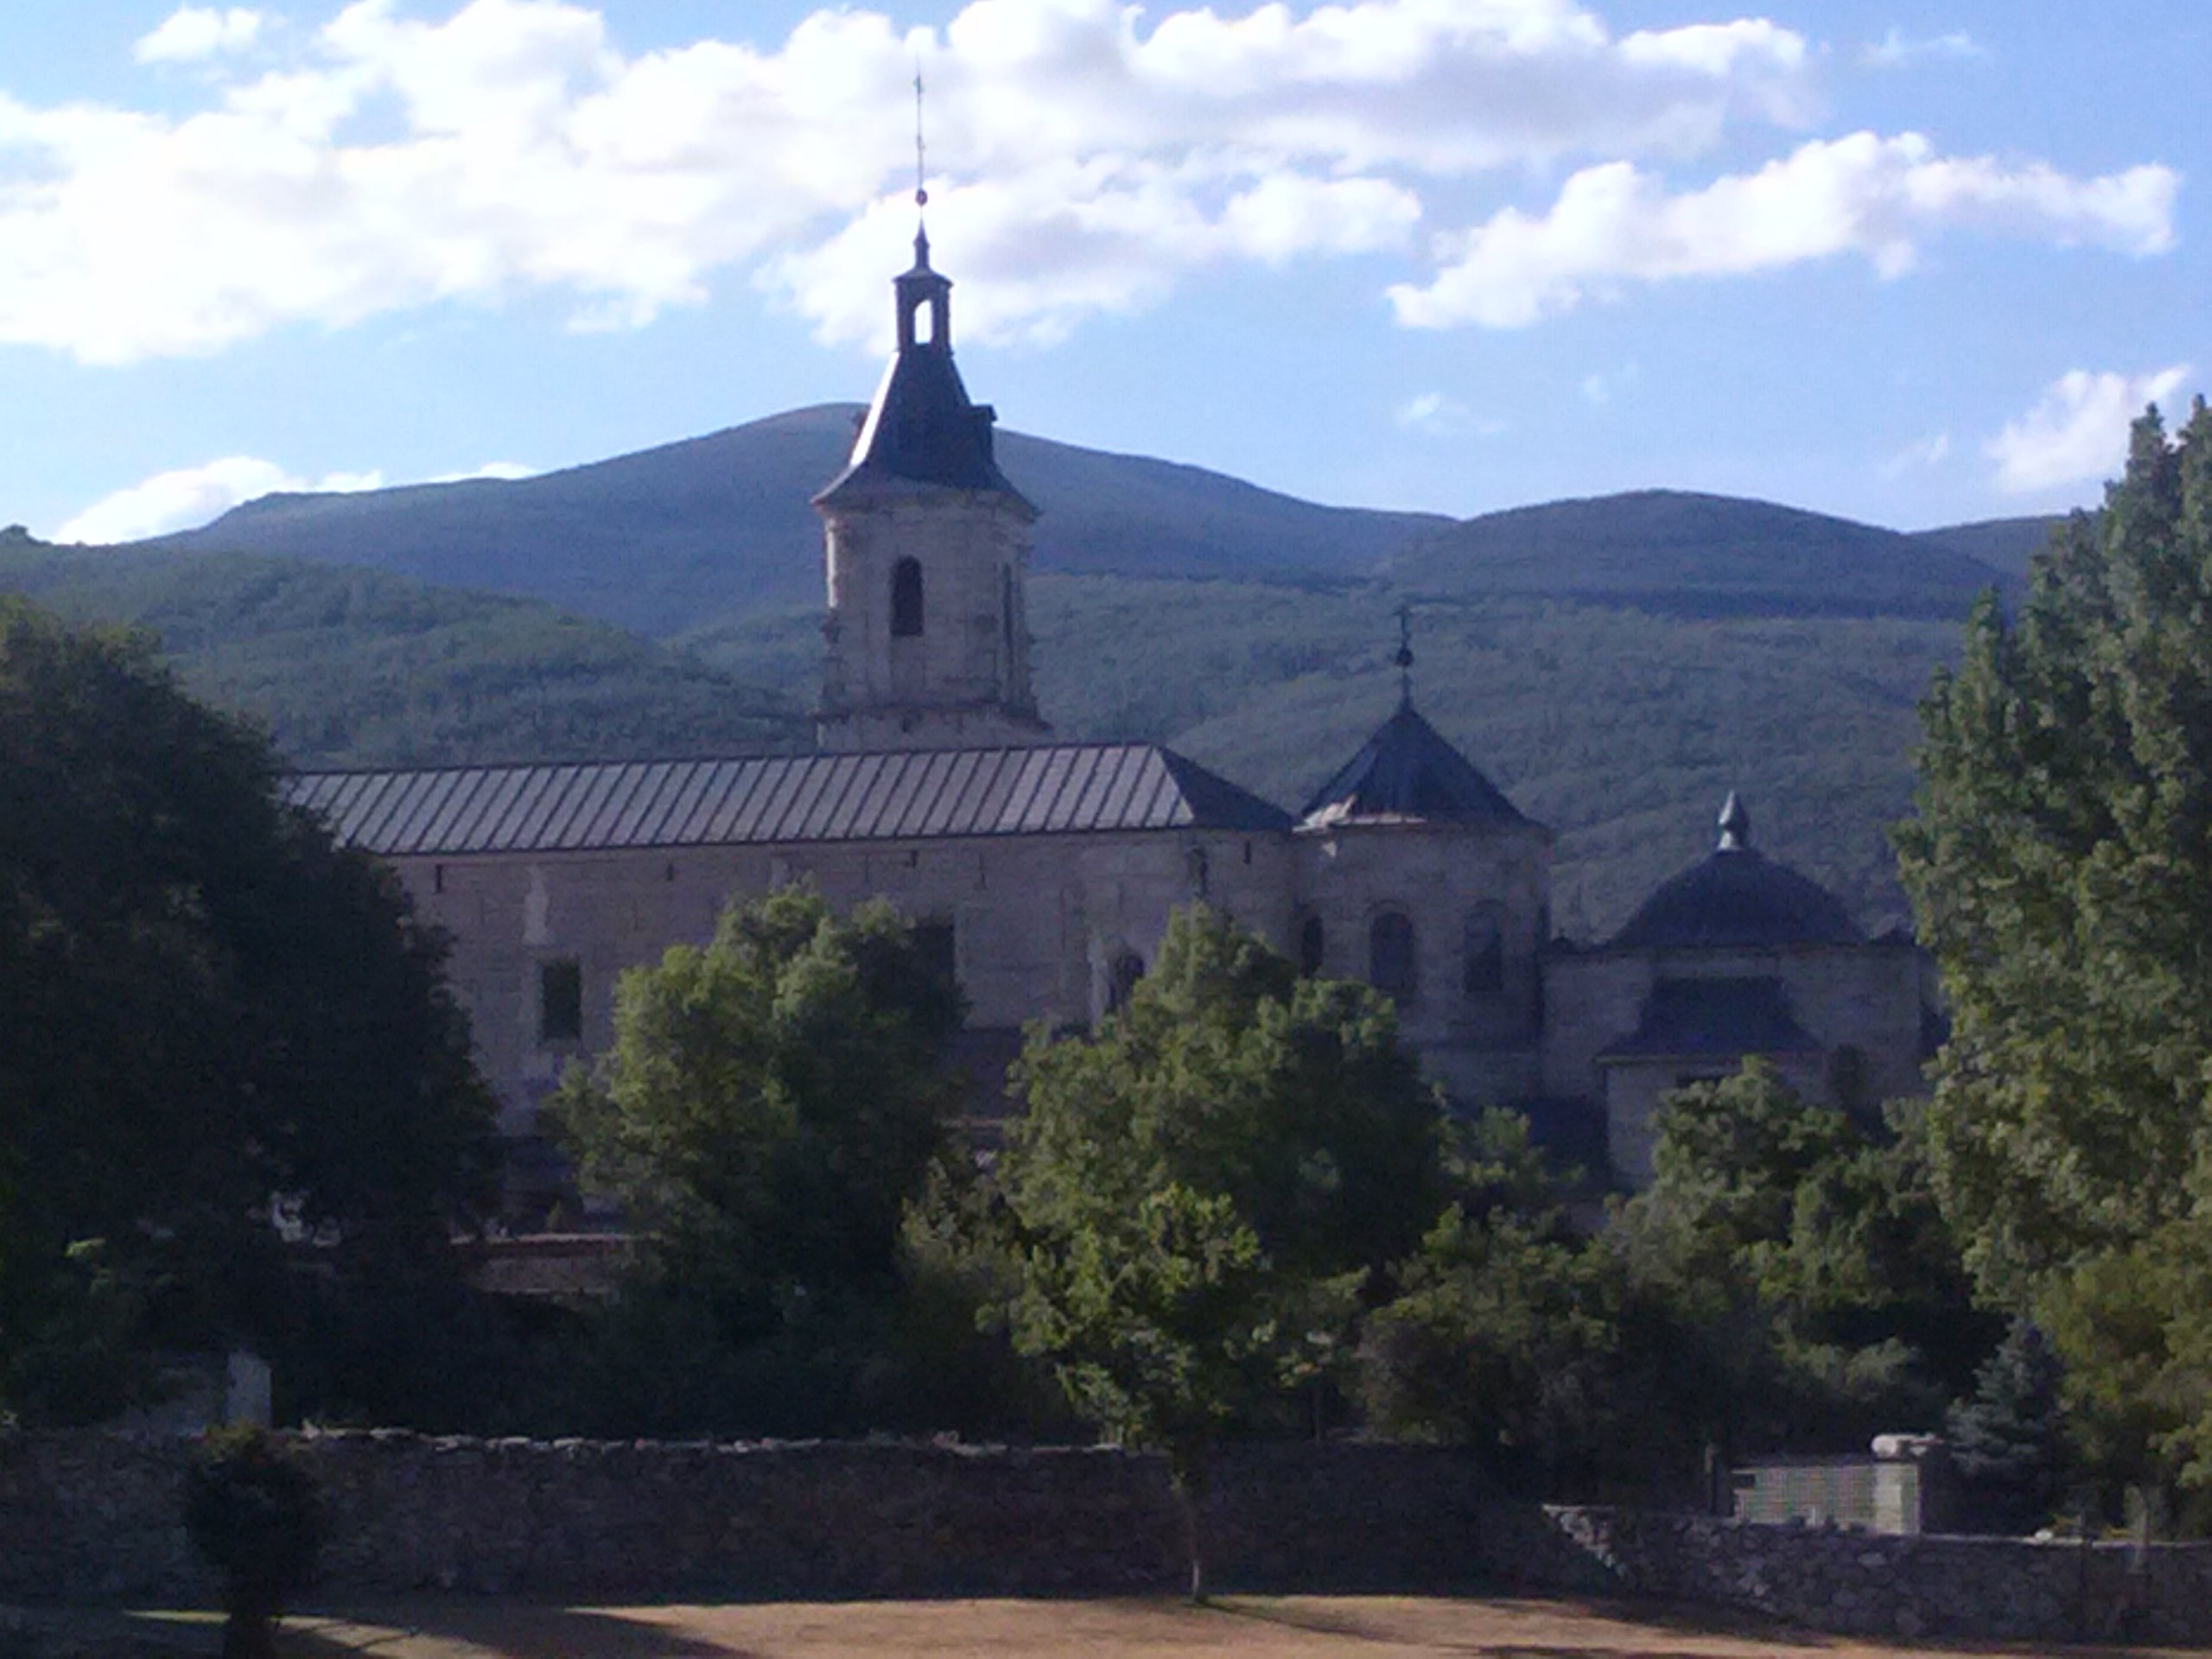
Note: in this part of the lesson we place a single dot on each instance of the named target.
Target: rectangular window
(938, 948)
(561, 1002)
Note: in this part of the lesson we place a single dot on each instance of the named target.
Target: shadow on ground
(498, 1629)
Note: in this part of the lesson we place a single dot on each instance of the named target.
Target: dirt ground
(1299, 1627)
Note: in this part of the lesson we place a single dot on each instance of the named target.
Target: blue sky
(1914, 264)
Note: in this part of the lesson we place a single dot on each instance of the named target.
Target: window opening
(1129, 968)
(906, 600)
(561, 1002)
(1483, 967)
(939, 946)
(1312, 945)
(1390, 954)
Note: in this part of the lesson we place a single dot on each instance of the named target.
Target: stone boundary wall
(89, 1516)
(93, 1517)
(1859, 1582)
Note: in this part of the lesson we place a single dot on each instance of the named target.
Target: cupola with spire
(926, 633)
(1738, 897)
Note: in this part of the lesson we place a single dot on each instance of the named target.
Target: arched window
(1390, 954)
(1311, 946)
(1482, 969)
(906, 600)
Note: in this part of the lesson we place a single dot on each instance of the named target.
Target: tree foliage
(2059, 861)
(1203, 1193)
(1799, 1254)
(212, 1007)
(769, 1107)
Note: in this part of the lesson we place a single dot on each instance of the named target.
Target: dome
(1738, 899)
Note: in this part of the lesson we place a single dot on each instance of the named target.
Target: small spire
(921, 178)
(1405, 657)
(1735, 826)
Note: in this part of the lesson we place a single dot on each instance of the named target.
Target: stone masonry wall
(1859, 1583)
(92, 1517)
(87, 1516)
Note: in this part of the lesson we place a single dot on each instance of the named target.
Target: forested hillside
(1617, 664)
(348, 667)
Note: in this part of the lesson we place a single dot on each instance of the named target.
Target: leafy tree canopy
(771, 1105)
(2059, 861)
(1203, 1188)
(1801, 1256)
(211, 1007)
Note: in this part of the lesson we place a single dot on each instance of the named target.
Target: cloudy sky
(1916, 263)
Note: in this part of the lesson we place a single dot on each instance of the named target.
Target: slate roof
(1407, 773)
(1713, 1019)
(923, 794)
(921, 430)
(1738, 899)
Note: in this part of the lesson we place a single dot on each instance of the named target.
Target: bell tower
(926, 547)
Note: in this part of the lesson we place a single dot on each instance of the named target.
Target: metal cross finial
(921, 188)
(1405, 657)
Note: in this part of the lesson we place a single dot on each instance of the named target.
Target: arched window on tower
(906, 600)
(1390, 954)
(1312, 946)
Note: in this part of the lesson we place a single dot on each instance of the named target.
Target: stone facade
(1047, 883)
(1040, 925)
(95, 1517)
(1862, 1005)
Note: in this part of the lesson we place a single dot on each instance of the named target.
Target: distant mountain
(720, 526)
(1695, 555)
(1616, 664)
(2005, 545)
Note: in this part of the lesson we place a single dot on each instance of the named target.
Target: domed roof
(1738, 899)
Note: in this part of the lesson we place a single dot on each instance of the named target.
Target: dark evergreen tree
(2008, 1437)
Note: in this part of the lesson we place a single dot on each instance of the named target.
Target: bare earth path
(1298, 1627)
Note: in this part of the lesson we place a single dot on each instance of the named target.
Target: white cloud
(1897, 48)
(1918, 457)
(193, 33)
(2077, 432)
(1086, 155)
(1613, 224)
(190, 496)
(509, 146)
(1439, 415)
(503, 471)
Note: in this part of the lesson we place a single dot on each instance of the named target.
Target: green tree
(212, 1010)
(2059, 861)
(1203, 1192)
(2008, 1436)
(771, 1106)
(1816, 1295)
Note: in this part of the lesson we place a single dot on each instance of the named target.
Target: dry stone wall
(93, 1517)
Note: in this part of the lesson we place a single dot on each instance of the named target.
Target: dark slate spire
(1407, 773)
(921, 430)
